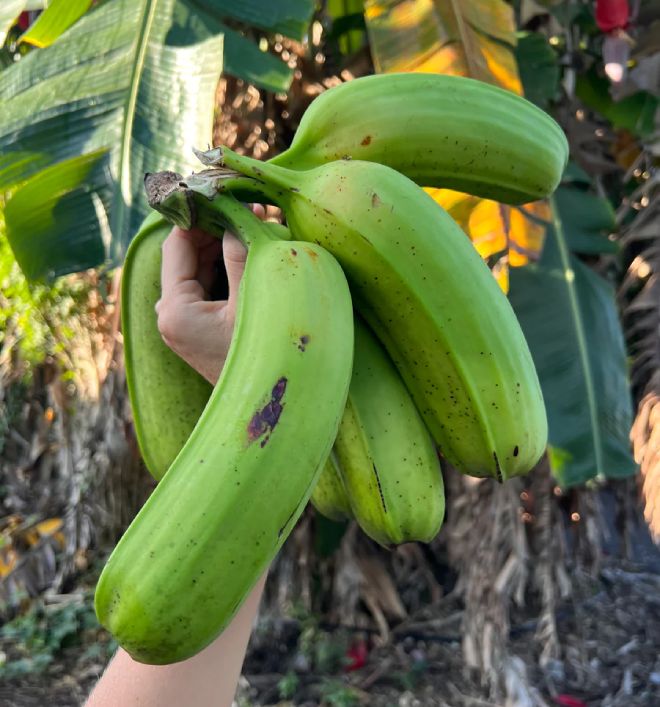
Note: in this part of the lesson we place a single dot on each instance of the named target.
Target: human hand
(193, 326)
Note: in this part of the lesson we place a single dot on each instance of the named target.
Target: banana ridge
(440, 131)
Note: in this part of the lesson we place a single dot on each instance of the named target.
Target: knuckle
(169, 321)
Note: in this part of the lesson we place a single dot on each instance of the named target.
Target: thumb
(234, 255)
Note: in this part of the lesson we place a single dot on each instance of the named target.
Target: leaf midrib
(592, 406)
(124, 176)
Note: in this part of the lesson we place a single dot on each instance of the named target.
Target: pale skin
(200, 331)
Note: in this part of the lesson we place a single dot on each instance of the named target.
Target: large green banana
(387, 459)
(422, 288)
(329, 495)
(234, 492)
(167, 396)
(444, 131)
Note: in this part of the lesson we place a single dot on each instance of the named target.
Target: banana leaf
(54, 21)
(288, 17)
(110, 83)
(570, 320)
(473, 38)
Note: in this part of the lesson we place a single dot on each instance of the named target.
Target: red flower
(356, 656)
(24, 20)
(568, 701)
(612, 14)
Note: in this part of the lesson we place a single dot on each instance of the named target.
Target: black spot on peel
(515, 451)
(302, 342)
(380, 488)
(498, 469)
(264, 421)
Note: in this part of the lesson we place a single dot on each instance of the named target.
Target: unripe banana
(329, 495)
(234, 492)
(423, 290)
(443, 131)
(167, 396)
(387, 459)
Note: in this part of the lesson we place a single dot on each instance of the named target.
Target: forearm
(209, 678)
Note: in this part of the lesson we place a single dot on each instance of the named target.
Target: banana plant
(126, 89)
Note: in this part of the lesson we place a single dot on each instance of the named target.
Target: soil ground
(609, 634)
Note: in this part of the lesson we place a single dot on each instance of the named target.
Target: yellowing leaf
(488, 227)
(501, 274)
(527, 232)
(49, 526)
(456, 203)
(473, 38)
(8, 560)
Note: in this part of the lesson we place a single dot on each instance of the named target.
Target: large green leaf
(538, 67)
(589, 222)
(569, 317)
(55, 20)
(242, 58)
(288, 17)
(74, 197)
(111, 82)
(635, 113)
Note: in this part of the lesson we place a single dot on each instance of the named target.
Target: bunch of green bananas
(369, 337)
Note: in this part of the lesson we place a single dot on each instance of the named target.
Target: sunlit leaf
(468, 38)
(348, 25)
(501, 274)
(71, 198)
(456, 203)
(528, 224)
(54, 20)
(488, 227)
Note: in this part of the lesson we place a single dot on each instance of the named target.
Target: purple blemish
(264, 421)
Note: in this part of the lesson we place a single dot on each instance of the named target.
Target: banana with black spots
(441, 131)
(387, 460)
(421, 287)
(234, 492)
